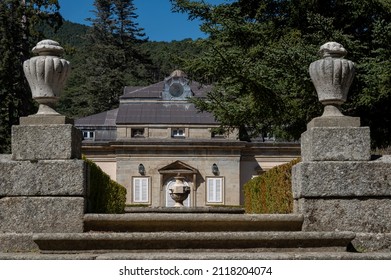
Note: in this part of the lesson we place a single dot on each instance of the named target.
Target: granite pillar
(337, 187)
(43, 186)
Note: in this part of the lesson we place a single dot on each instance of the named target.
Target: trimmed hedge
(105, 195)
(271, 192)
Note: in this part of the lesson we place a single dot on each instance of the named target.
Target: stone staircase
(188, 235)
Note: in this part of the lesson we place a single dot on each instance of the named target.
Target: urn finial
(46, 75)
(48, 47)
(332, 76)
(332, 49)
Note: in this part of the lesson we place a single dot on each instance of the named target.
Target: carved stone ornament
(46, 75)
(332, 76)
(179, 191)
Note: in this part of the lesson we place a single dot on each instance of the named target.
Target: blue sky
(155, 16)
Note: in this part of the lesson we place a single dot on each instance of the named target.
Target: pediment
(178, 167)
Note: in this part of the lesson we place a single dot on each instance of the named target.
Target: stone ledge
(357, 215)
(41, 214)
(341, 179)
(333, 121)
(201, 255)
(40, 142)
(45, 119)
(336, 144)
(43, 178)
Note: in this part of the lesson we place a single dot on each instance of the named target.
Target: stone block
(336, 144)
(41, 214)
(17, 242)
(43, 178)
(341, 179)
(371, 215)
(372, 242)
(40, 142)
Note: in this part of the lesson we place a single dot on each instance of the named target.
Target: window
(137, 132)
(88, 135)
(178, 132)
(141, 190)
(214, 190)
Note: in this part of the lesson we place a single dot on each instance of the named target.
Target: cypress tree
(18, 34)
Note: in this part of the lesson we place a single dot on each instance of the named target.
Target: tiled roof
(144, 105)
(162, 113)
(107, 118)
(151, 91)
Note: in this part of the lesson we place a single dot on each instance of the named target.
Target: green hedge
(271, 193)
(105, 195)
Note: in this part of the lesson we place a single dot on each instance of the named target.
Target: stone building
(156, 134)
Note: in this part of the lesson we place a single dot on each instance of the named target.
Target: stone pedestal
(338, 188)
(43, 186)
(45, 142)
(44, 183)
(336, 144)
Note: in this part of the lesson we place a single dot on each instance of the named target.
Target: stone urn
(332, 76)
(46, 75)
(179, 192)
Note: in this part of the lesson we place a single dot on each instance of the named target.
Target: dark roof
(154, 91)
(162, 113)
(144, 105)
(151, 91)
(107, 118)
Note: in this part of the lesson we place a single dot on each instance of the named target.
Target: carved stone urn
(332, 76)
(179, 192)
(46, 75)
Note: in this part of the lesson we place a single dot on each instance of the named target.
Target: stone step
(199, 255)
(268, 241)
(198, 222)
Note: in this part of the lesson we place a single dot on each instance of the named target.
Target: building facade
(156, 134)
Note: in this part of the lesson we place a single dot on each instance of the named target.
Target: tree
(18, 34)
(112, 59)
(258, 57)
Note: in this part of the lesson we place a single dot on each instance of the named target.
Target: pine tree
(18, 34)
(112, 59)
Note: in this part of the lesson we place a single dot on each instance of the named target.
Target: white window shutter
(218, 190)
(215, 190)
(140, 189)
(144, 189)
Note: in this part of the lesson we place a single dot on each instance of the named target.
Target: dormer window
(216, 134)
(178, 132)
(88, 135)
